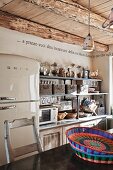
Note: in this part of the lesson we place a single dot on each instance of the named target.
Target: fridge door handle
(7, 98)
(7, 107)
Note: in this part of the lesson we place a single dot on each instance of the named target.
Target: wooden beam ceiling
(25, 26)
(72, 10)
(4, 2)
(61, 20)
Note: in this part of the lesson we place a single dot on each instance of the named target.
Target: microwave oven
(48, 115)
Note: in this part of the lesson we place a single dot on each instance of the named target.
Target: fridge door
(19, 78)
(21, 136)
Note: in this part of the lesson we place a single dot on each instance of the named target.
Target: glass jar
(73, 70)
(54, 69)
(68, 73)
(44, 68)
(61, 72)
(79, 71)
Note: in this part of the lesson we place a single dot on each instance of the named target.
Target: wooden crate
(58, 89)
(45, 89)
(70, 88)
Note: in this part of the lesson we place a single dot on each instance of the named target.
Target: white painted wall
(111, 83)
(103, 62)
(16, 43)
(13, 42)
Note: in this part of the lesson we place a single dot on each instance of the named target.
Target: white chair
(13, 153)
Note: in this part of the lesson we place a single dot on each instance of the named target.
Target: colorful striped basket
(91, 144)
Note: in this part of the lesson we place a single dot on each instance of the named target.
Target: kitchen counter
(66, 122)
(60, 158)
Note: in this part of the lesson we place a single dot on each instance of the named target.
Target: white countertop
(66, 122)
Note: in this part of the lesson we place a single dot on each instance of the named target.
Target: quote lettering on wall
(48, 46)
(107, 54)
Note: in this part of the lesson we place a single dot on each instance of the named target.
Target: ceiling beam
(3, 3)
(74, 11)
(15, 23)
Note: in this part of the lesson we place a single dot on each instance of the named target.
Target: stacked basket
(91, 144)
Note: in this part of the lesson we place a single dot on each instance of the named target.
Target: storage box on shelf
(93, 85)
(76, 85)
(58, 89)
(65, 105)
(45, 89)
(69, 88)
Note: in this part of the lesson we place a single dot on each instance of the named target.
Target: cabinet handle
(7, 107)
(7, 98)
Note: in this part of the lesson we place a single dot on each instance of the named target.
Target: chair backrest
(13, 153)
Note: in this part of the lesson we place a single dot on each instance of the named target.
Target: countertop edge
(61, 123)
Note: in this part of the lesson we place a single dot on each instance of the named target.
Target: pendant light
(88, 44)
(108, 23)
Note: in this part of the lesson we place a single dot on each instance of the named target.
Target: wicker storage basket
(70, 88)
(58, 89)
(45, 89)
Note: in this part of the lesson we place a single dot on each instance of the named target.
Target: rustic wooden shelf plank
(73, 95)
(67, 78)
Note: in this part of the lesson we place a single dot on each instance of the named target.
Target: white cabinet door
(51, 138)
(65, 140)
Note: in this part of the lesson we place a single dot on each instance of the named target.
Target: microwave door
(45, 116)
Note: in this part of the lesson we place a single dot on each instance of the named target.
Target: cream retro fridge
(19, 95)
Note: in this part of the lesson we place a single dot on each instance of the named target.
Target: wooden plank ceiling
(66, 16)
